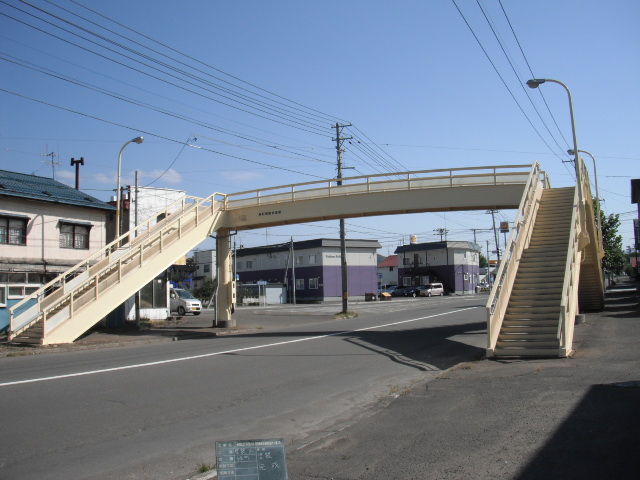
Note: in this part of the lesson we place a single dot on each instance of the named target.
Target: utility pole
(495, 233)
(441, 232)
(135, 234)
(343, 243)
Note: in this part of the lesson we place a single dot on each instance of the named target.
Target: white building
(46, 227)
(149, 201)
(205, 262)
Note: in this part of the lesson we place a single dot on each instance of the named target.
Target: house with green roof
(45, 228)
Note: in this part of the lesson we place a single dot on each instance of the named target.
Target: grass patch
(205, 467)
(19, 354)
(341, 315)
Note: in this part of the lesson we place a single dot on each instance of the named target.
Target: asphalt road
(156, 410)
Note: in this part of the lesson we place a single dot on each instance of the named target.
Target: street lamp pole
(595, 174)
(535, 83)
(137, 140)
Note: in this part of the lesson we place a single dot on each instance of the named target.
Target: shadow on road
(594, 441)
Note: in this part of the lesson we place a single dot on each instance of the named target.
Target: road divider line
(225, 352)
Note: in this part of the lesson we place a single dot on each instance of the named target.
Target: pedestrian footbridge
(531, 308)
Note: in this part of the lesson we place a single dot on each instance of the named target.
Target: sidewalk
(576, 418)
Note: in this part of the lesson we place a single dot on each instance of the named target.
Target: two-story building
(313, 267)
(453, 263)
(388, 271)
(46, 227)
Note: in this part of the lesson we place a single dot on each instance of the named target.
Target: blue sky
(409, 75)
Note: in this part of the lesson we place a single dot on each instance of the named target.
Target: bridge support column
(226, 282)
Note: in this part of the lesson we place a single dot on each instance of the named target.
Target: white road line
(237, 350)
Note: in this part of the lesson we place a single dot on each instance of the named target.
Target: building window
(13, 231)
(299, 283)
(3, 296)
(406, 281)
(406, 261)
(75, 236)
(312, 259)
(206, 268)
(299, 259)
(391, 269)
(313, 283)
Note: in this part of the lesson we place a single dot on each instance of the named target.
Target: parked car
(399, 292)
(389, 289)
(412, 291)
(432, 289)
(182, 301)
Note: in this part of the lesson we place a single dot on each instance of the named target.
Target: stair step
(528, 343)
(527, 352)
(529, 329)
(528, 336)
(530, 321)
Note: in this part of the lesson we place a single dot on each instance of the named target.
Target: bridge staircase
(552, 270)
(71, 304)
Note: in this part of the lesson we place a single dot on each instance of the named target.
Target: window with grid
(74, 236)
(13, 231)
(313, 283)
(299, 283)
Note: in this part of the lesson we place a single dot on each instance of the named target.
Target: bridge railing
(62, 288)
(438, 178)
(518, 241)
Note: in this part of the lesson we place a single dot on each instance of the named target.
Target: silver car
(183, 302)
(432, 289)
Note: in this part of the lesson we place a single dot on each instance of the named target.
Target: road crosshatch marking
(226, 352)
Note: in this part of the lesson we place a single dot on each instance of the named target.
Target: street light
(134, 140)
(535, 83)
(595, 174)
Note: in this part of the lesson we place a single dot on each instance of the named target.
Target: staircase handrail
(569, 296)
(406, 179)
(518, 238)
(105, 252)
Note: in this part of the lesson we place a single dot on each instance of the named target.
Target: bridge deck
(442, 190)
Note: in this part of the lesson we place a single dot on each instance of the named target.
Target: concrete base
(580, 318)
(225, 323)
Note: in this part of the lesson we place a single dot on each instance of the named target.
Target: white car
(432, 289)
(183, 302)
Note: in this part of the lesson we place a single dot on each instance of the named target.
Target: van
(432, 289)
(182, 301)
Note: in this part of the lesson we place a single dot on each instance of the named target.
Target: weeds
(204, 468)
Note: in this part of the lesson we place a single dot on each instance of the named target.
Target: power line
(153, 134)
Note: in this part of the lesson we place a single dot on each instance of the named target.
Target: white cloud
(241, 176)
(170, 176)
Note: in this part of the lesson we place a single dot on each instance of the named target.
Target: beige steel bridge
(551, 263)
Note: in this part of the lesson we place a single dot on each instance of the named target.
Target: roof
(306, 244)
(390, 261)
(32, 187)
(413, 247)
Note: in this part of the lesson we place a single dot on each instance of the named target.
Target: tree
(613, 261)
(205, 292)
(484, 263)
